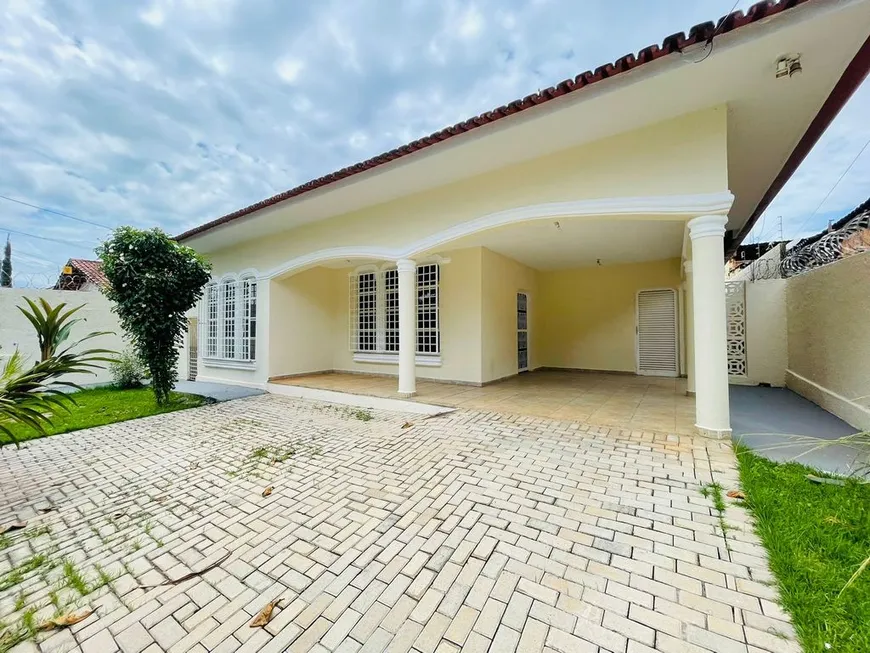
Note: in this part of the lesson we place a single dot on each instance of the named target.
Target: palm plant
(53, 326)
(30, 396)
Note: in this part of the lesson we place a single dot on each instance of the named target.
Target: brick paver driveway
(471, 531)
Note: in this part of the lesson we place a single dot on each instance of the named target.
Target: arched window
(229, 320)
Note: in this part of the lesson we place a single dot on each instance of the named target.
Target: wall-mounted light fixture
(788, 65)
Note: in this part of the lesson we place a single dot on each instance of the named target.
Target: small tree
(6, 266)
(153, 282)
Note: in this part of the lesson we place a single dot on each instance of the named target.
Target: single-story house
(583, 227)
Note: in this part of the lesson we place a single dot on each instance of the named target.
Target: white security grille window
(391, 310)
(229, 320)
(374, 311)
(249, 319)
(367, 312)
(428, 335)
(211, 321)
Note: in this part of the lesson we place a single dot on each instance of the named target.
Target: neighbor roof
(673, 43)
(92, 270)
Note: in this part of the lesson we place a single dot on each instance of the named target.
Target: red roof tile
(92, 270)
(673, 43)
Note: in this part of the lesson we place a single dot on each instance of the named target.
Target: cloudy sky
(174, 112)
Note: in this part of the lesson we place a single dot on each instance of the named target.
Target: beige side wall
(302, 322)
(503, 278)
(766, 332)
(651, 161)
(828, 343)
(588, 315)
(16, 330)
(460, 319)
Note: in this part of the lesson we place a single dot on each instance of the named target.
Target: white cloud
(154, 15)
(470, 23)
(289, 68)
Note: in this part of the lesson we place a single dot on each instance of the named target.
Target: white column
(708, 298)
(689, 331)
(407, 327)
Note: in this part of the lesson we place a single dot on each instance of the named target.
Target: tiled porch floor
(636, 402)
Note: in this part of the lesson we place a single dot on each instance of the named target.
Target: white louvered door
(657, 341)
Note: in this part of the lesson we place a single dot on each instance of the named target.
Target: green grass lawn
(817, 536)
(101, 406)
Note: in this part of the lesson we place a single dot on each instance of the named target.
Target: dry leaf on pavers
(13, 526)
(407, 425)
(66, 620)
(45, 510)
(265, 614)
(736, 494)
(192, 574)
(268, 490)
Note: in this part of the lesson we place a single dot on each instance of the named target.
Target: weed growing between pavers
(714, 491)
(55, 583)
(252, 464)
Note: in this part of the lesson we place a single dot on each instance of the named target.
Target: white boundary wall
(16, 330)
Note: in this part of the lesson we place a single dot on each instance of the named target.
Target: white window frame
(386, 349)
(228, 321)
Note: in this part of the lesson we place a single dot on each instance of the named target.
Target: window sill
(424, 360)
(230, 364)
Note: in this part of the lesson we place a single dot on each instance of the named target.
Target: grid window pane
(367, 312)
(211, 321)
(229, 319)
(391, 310)
(428, 333)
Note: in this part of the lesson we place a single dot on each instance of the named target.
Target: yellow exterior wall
(645, 162)
(588, 315)
(460, 321)
(302, 322)
(503, 278)
(828, 346)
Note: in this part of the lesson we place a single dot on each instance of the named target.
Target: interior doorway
(522, 332)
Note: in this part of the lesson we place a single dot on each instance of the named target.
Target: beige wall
(588, 315)
(302, 324)
(828, 342)
(17, 332)
(459, 307)
(503, 278)
(766, 337)
(651, 161)
(582, 318)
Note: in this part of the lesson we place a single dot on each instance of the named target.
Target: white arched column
(407, 270)
(712, 416)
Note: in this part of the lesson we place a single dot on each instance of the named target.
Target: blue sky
(174, 112)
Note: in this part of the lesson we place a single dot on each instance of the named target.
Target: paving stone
(478, 531)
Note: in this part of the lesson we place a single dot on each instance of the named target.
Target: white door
(657, 341)
(522, 332)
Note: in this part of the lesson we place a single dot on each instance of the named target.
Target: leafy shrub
(153, 282)
(128, 371)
